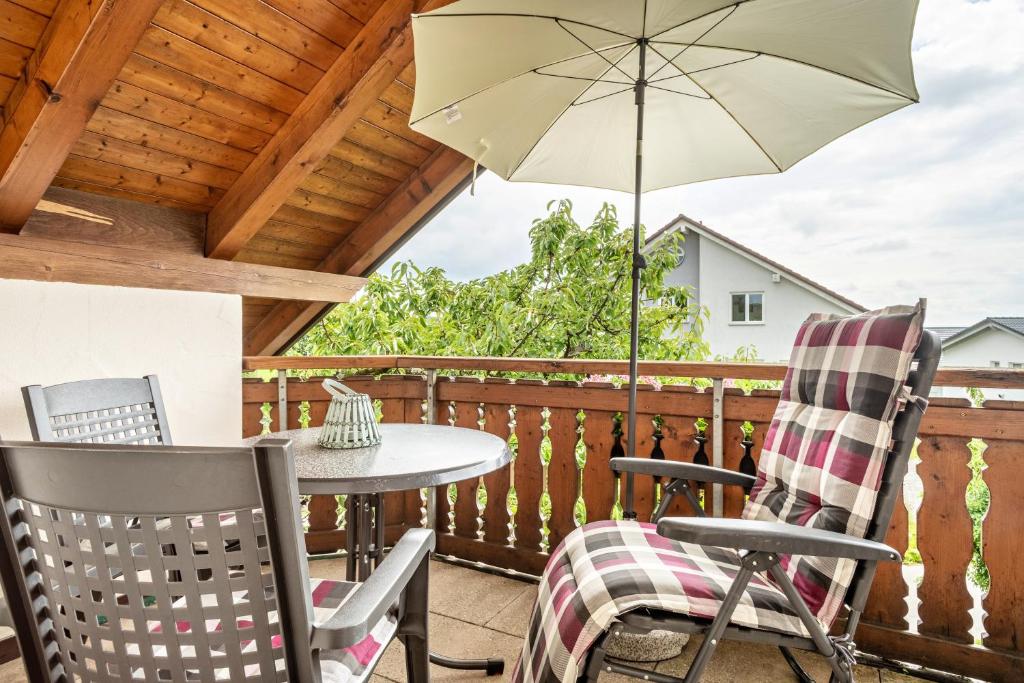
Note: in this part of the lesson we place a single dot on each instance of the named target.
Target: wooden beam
(82, 50)
(372, 61)
(49, 260)
(441, 174)
(77, 216)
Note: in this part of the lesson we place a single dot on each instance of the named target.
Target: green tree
(570, 300)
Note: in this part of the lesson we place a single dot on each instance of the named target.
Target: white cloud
(926, 202)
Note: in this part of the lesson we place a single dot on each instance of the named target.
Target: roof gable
(1010, 325)
(683, 221)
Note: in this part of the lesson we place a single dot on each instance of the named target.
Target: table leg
(364, 545)
(351, 537)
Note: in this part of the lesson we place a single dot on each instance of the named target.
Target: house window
(995, 363)
(748, 307)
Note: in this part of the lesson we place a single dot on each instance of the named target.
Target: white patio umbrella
(637, 95)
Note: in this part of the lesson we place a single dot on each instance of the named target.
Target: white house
(751, 299)
(990, 343)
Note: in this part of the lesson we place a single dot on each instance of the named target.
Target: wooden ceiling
(284, 122)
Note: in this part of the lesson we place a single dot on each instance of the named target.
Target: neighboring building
(991, 343)
(751, 299)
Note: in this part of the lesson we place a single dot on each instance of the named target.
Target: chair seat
(355, 663)
(606, 569)
(350, 665)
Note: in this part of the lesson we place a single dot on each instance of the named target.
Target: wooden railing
(562, 436)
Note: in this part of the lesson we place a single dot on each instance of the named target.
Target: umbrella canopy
(637, 95)
(544, 90)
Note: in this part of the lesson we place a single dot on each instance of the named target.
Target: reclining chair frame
(759, 545)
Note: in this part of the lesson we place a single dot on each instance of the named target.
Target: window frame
(746, 308)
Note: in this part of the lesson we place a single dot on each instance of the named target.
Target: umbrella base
(653, 646)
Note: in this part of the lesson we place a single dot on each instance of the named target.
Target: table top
(410, 456)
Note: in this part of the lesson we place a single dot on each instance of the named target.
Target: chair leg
(596, 661)
(714, 632)
(412, 626)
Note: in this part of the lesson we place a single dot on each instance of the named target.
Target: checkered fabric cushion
(824, 453)
(605, 569)
(350, 665)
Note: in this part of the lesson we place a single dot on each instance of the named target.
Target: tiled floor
(475, 614)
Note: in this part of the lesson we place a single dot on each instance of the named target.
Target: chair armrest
(773, 537)
(353, 620)
(681, 470)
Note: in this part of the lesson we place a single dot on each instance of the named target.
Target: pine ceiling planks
(206, 88)
(208, 84)
(79, 53)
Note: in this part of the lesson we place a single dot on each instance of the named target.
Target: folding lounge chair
(89, 596)
(810, 538)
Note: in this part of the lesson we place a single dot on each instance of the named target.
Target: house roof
(1013, 325)
(758, 258)
(260, 135)
(947, 331)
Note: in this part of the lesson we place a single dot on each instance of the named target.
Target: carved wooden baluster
(544, 505)
(563, 472)
(944, 538)
(1001, 543)
(465, 505)
(657, 453)
(617, 452)
(700, 457)
(747, 464)
(579, 509)
(481, 487)
(529, 474)
(498, 482)
(887, 602)
(323, 520)
(511, 498)
(452, 492)
(267, 421)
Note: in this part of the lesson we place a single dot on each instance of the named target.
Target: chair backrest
(832, 455)
(111, 578)
(98, 411)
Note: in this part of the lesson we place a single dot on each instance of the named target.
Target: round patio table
(410, 456)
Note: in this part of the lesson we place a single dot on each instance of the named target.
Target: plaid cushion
(605, 569)
(824, 453)
(337, 666)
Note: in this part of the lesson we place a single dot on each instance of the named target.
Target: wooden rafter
(80, 54)
(49, 260)
(372, 61)
(433, 182)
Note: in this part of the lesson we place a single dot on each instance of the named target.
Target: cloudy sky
(928, 201)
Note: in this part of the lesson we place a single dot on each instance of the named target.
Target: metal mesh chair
(94, 594)
(98, 411)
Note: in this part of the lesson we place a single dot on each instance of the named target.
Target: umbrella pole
(638, 265)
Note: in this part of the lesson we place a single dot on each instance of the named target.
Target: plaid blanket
(822, 463)
(352, 664)
(606, 569)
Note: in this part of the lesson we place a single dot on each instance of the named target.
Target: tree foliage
(570, 300)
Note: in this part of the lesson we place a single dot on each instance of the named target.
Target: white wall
(978, 351)
(786, 304)
(58, 332)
